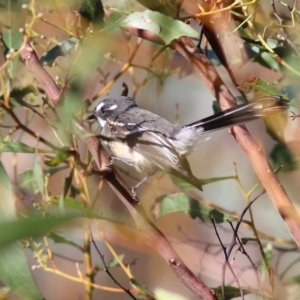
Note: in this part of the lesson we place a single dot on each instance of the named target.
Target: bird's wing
(160, 151)
(156, 148)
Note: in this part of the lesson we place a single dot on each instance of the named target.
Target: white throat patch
(101, 122)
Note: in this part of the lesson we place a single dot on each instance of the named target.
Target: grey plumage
(149, 142)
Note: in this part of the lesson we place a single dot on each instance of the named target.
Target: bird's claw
(133, 192)
(112, 161)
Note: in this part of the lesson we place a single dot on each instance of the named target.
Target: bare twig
(243, 251)
(127, 291)
(236, 237)
(27, 130)
(280, 20)
(226, 264)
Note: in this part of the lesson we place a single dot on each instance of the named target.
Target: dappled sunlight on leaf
(182, 203)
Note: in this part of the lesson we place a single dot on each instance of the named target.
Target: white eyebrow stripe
(98, 107)
(113, 107)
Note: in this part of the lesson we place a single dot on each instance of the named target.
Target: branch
(258, 159)
(33, 65)
(153, 235)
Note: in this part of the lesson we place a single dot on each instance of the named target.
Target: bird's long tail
(252, 110)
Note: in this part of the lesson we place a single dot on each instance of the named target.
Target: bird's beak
(91, 117)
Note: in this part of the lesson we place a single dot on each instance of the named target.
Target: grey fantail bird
(149, 142)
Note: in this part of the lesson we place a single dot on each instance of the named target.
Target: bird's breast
(130, 156)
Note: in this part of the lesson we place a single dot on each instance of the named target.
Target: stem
(87, 257)
(27, 130)
(80, 280)
(121, 72)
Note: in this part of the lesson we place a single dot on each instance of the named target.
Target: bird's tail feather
(252, 110)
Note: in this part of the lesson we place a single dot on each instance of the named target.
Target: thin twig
(127, 291)
(243, 250)
(27, 130)
(280, 20)
(226, 264)
(81, 280)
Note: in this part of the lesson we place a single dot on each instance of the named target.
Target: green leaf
(61, 240)
(165, 27)
(267, 60)
(60, 157)
(7, 199)
(294, 279)
(13, 17)
(181, 184)
(28, 181)
(265, 264)
(282, 156)
(275, 123)
(60, 49)
(22, 92)
(54, 170)
(33, 226)
(230, 292)
(180, 202)
(259, 86)
(38, 175)
(67, 185)
(246, 240)
(185, 186)
(33, 179)
(68, 182)
(72, 203)
(17, 95)
(15, 272)
(142, 288)
(4, 291)
(14, 269)
(7, 145)
(167, 7)
(61, 204)
(216, 107)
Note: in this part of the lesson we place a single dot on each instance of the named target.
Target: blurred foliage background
(64, 233)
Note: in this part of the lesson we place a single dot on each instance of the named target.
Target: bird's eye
(103, 110)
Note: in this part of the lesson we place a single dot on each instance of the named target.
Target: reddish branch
(153, 235)
(33, 64)
(258, 159)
